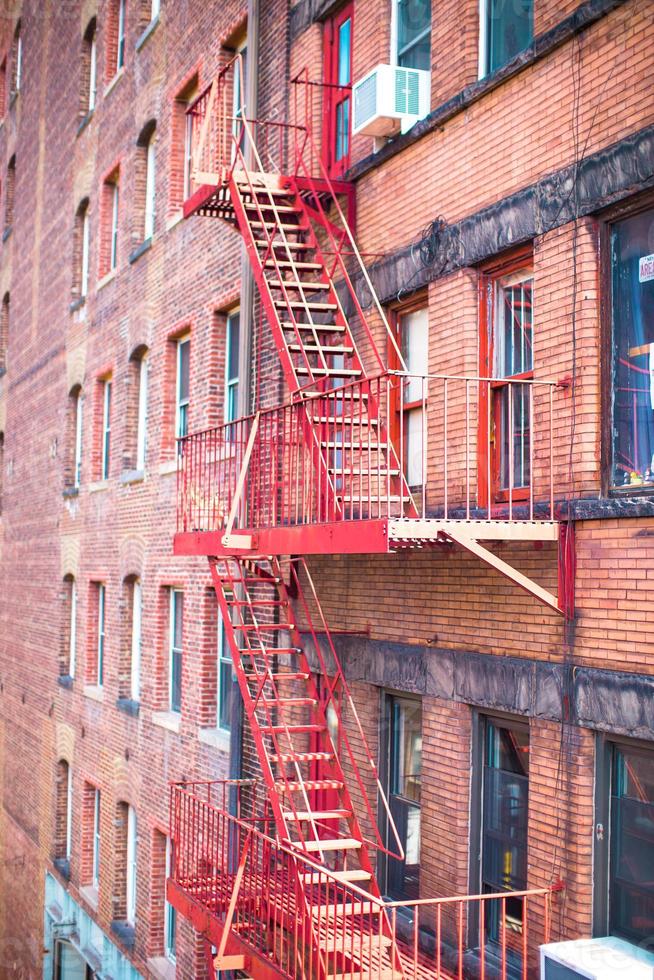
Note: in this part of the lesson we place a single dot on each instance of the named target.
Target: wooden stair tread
(330, 372)
(343, 844)
(302, 756)
(303, 815)
(301, 304)
(318, 327)
(296, 786)
(314, 349)
(353, 875)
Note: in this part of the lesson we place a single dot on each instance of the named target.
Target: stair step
(378, 447)
(386, 974)
(270, 206)
(276, 226)
(344, 420)
(302, 757)
(253, 627)
(327, 912)
(278, 677)
(317, 327)
(292, 702)
(365, 498)
(295, 786)
(344, 844)
(314, 349)
(249, 651)
(331, 372)
(285, 264)
(292, 729)
(319, 287)
(291, 246)
(320, 878)
(380, 474)
(300, 304)
(318, 815)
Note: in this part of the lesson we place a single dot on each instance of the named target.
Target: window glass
(96, 838)
(509, 30)
(170, 913)
(632, 255)
(232, 359)
(405, 778)
(115, 196)
(79, 422)
(132, 844)
(120, 52)
(414, 346)
(101, 634)
(504, 819)
(176, 635)
(135, 665)
(414, 33)
(225, 680)
(631, 895)
(344, 49)
(142, 423)
(183, 385)
(93, 70)
(106, 429)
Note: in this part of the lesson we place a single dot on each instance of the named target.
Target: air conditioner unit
(608, 958)
(390, 99)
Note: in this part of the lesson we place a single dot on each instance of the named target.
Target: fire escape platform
(364, 537)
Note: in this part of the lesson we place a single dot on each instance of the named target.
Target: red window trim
(334, 96)
(489, 275)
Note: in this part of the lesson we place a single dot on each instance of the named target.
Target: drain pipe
(245, 373)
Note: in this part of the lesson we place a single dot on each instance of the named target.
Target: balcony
(267, 908)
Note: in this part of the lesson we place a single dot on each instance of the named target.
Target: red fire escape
(282, 883)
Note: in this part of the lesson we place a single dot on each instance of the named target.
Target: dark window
(631, 870)
(508, 26)
(226, 686)
(404, 717)
(505, 794)
(633, 351)
(414, 34)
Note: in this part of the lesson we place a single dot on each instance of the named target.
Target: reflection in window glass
(405, 778)
(509, 30)
(632, 245)
(414, 33)
(631, 896)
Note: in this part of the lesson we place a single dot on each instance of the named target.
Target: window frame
(69, 811)
(78, 446)
(17, 66)
(142, 412)
(399, 409)
(395, 36)
(136, 639)
(489, 458)
(150, 187)
(106, 428)
(121, 23)
(115, 207)
(182, 405)
(483, 56)
(86, 251)
(101, 633)
(170, 912)
(131, 865)
(174, 652)
(335, 94)
(232, 382)
(72, 640)
(96, 839)
(224, 698)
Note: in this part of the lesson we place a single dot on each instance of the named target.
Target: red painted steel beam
(368, 537)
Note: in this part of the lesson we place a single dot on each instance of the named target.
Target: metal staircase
(301, 765)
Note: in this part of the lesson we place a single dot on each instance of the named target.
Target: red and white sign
(646, 268)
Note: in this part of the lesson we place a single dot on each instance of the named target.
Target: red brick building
(500, 193)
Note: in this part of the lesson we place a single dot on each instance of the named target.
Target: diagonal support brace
(470, 544)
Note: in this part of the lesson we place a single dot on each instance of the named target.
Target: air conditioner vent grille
(365, 100)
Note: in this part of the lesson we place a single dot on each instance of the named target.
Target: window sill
(65, 680)
(170, 720)
(148, 32)
(94, 692)
(144, 247)
(98, 485)
(170, 466)
(77, 304)
(90, 895)
(63, 867)
(175, 219)
(85, 121)
(6, 233)
(114, 81)
(107, 278)
(161, 968)
(128, 706)
(124, 932)
(217, 738)
(132, 476)
(69, 492)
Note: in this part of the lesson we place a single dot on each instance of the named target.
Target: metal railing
(468, 447)
(293, 911)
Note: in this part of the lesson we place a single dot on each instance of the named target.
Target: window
(110, 217)
(176, 633)
(95, 863)
(3, 88)
(232, 353)
(135, 645)
(4, 333)
(182, 144)
(73, 473)
(338, 93)
(226, 689)
(505, 798)
(69, 631)
(170, 913)
(113, 253)
(403, 719)
(101, 594)
(506, 346)
(106, 429)
(413, 33)
(142, 412)
(89, 73)
(632, 345)
(154, 9)
(240, 91)
(16, 60)
(412, 335)
(149, 186)
(2, 466)
(63, 812)
(10, 186)
(506, 27)
(183, 386)
(120, 47)
(82, 245)
(132, 847)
